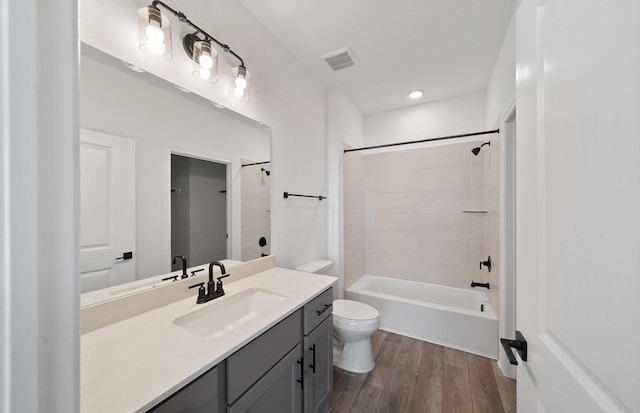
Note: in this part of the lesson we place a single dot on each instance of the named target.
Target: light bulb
(154, 33)
(205, 61)
(415, 94)
(241, 82)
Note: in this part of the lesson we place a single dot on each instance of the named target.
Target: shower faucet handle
(486, 263)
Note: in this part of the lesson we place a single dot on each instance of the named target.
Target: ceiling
(446, 48)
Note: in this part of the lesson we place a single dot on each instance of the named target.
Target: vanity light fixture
(205, 60)
(155, 40)
(240, 81)
(154, 32)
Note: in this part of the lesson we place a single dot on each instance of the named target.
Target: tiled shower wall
(353, 216)
(413, 226)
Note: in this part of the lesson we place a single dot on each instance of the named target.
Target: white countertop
(132, 365)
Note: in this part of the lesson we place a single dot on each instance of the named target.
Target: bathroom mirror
(153, 121)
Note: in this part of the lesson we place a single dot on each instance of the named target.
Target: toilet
(353, 324)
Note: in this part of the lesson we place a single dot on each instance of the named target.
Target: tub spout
(475, 284)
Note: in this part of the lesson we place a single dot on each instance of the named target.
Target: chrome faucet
(184, 264)
(213, 290)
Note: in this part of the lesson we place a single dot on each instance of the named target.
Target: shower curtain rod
(424, 140)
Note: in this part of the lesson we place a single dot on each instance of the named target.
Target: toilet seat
(350, 310)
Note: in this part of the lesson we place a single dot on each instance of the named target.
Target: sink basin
(219, 318)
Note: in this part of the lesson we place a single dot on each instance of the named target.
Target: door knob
(520, 344)
(126, 256)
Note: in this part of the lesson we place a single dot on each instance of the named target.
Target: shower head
(265, 171)
(476, 150)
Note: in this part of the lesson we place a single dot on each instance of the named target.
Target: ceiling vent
(340, 59)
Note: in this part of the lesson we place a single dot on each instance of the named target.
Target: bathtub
(442, 315)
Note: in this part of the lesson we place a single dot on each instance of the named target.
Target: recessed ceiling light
(415, 94)
(133, 67)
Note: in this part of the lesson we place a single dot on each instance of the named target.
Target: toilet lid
(354, 310)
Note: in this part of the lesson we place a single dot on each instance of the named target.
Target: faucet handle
(201, 292)
(193, 273)
(219, 289)
(223, 276)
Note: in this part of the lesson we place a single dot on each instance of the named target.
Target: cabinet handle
(326, 307)
(313, 366)
(301, 379)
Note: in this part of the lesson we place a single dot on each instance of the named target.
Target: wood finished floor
(413, 376)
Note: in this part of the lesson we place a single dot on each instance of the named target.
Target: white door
(578, 205)
(107, 210)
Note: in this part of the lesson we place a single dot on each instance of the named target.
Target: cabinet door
(206, 394)
(253, 361)
(278, 391)
(318, 360)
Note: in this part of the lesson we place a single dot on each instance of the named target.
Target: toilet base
(355, 356)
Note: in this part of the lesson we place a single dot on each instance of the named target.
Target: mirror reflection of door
(198, 210)
(107, 210)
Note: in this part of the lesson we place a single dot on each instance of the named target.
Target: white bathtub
(442, 315)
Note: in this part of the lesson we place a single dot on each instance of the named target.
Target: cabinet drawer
(317, 310)
(252, 361)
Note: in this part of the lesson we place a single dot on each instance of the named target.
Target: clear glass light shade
(205, 62)
(240, 83)
(154, 33)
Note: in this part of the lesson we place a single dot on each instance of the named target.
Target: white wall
(122, 103)
(459, 115)
(283, 96)
(501, 91)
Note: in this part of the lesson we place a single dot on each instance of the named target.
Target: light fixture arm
(183, 18)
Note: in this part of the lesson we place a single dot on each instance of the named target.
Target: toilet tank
(316, 266)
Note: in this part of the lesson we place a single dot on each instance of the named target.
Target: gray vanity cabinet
(265, 376)
(287, 369)
(206, 394)
(318, 353)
